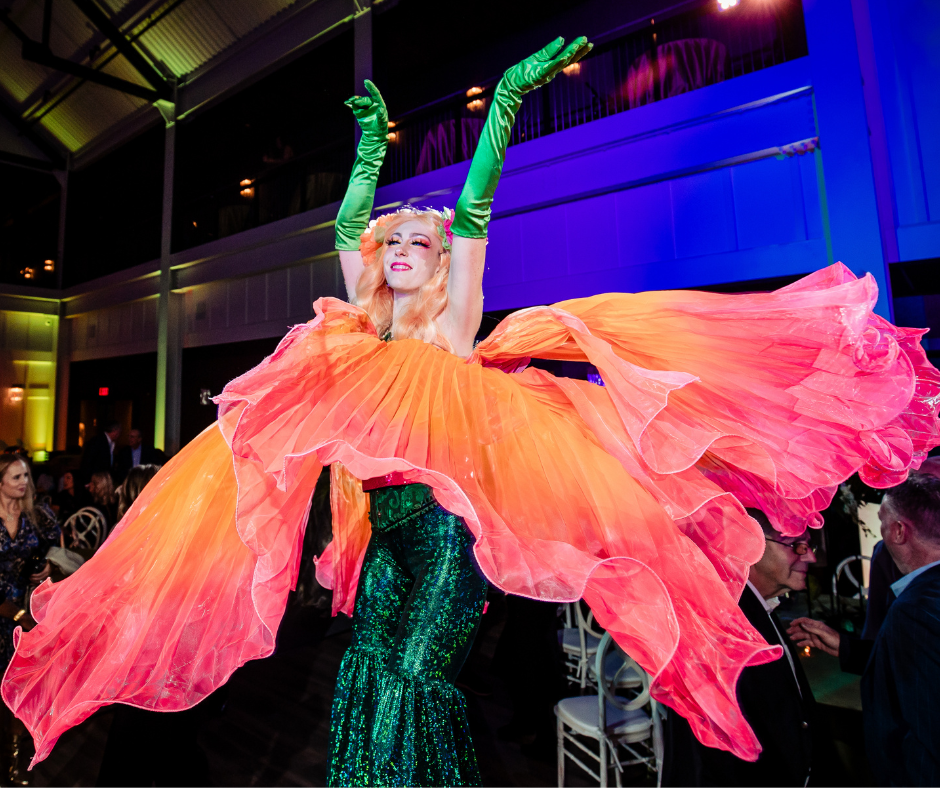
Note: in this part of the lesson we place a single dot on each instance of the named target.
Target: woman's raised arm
(465, 280)
(353, 217)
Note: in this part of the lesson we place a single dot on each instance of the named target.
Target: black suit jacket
(123, 458)
(901, 688)
(96, 456)
(783, 718)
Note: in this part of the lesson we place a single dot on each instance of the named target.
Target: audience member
(135, 482)
(68, 500)
(98, 454)
(135, 453)
(900, 686)
(27, 532)
(45, 486)
(775, 697)
(854, 652)
(101, 489)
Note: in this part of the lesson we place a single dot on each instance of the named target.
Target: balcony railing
(651, 61)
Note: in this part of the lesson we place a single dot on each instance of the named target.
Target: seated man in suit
(134, 454)
(854, 652)
(99, 452)
(775, 697)
(901, 685)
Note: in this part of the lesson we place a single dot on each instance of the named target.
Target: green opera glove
(353, 217)
(476, 199)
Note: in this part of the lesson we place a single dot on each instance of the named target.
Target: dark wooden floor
(274, 727)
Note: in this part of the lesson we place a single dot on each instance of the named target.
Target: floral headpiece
(374, 236)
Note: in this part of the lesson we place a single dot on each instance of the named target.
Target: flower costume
(629, 495)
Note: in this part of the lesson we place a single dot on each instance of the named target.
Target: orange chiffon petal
(630, 496)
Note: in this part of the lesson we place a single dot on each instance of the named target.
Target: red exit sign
(103, 391)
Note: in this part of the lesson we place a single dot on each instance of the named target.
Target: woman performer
(397, 717)
(630, 495)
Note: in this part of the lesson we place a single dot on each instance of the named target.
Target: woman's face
(15, 480)
(412, 256)
(68, 481)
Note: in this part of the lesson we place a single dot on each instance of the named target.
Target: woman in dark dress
(27, 533)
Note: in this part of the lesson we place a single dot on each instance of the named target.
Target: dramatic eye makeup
(419, 240)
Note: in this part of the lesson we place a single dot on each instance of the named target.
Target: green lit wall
(27, 379)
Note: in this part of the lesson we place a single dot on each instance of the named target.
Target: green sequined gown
(397, 717)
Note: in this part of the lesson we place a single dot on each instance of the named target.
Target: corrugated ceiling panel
(113, 6)
(89, 111)
(188, 37)
(243, 16)
(27, 16)
(199, 30)
(19, 77)
(71, 29)
(192, 34)
(119, 67)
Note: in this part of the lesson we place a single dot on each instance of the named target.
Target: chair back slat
(88, 526)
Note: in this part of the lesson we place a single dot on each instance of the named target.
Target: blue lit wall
(694, 190)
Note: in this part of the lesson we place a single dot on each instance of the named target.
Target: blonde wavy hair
(137, 478)
(102, 488)
(419, 319)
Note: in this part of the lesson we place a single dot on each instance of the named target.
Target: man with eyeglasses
(775, 697)
(901, 682)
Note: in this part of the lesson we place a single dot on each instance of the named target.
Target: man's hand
(816, 634)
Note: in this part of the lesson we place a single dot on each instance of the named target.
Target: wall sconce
(574, 68)
(474, 92)
(391, 124)
(245, 182)
(392, 136)
(248, 192)
(48, 265)
(28, 273)
(15, 394)
(475, 105)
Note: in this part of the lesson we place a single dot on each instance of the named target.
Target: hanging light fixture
(724, 5)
